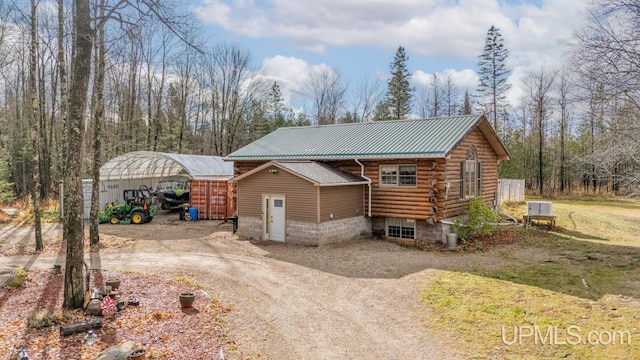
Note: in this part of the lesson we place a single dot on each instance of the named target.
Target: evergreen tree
(466, 107)
(493, 75)
(276, 108)
(6, 187)
(381, 111)
(399, 91)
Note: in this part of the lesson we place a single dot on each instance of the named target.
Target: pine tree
(399, 91)
(466, 107)
(493, 75)
(276, 108)
(381, 111)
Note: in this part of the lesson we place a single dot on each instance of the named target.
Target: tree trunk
(73, 231)
(35, 130)
(540, 157)
(62, 69)
(98, 112)
(43, 162)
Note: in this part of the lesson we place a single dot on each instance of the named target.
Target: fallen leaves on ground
(502, 236)
(159, 325)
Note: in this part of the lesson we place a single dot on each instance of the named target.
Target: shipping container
(212, 198)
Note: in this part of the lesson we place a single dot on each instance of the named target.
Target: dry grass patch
(50, 211)
(487, 315)
(581, 276)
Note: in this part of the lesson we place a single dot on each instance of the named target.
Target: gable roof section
(318, 173)
(150, 164)
(421, 138)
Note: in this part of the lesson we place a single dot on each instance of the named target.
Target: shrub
(481, 223)
(18, 279)
(42, 318)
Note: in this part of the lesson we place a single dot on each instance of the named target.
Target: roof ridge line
(378, 122)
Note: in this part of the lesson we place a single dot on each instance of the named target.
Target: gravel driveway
(349, 301)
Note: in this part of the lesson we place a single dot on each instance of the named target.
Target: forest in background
(156, 84)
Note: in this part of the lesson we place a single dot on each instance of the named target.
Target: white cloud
(433, 27)
(537, 34)
(463, 80)
(290, 73)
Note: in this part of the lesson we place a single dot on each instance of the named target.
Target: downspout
(368, 183)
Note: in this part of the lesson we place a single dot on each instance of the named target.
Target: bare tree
(5, 46)
(156, 44)
(423, 101)
(436, 92)
(232, 91)
(35, 128)
(563, 104)
(608, 62)
(183, 88)
(430, 98)
(327, 94)
(73, 231)
(538, 85)
(97, 115)
(365, 97)
(64, 98)
(450, 95)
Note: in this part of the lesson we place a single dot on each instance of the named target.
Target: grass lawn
(569, 292)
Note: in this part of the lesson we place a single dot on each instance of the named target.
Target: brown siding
(454, 206)
(341, 201)
(300, 194)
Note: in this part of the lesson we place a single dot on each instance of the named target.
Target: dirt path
(349, 301)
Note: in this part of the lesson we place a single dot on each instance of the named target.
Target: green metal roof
(427, 138)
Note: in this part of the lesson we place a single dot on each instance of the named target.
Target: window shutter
(462, 163)
(479, 179)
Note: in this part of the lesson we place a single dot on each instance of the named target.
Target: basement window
(401, 228)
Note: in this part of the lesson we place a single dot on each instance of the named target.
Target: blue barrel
(193, 212)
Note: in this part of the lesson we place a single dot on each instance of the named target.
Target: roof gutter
(368, 184)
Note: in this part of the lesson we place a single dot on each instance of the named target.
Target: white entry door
(273, 218)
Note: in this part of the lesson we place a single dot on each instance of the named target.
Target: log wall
(422, 202)
(454, 205)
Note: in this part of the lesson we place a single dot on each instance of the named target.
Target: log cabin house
(405, 179)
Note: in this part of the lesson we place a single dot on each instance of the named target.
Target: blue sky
(358, 38)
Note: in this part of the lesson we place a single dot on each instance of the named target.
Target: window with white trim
(398, 175)
(401, 228)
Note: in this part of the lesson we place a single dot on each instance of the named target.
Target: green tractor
(140, 207)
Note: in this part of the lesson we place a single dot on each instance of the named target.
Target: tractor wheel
(114, 220)
(149, 218)
(137, 218)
